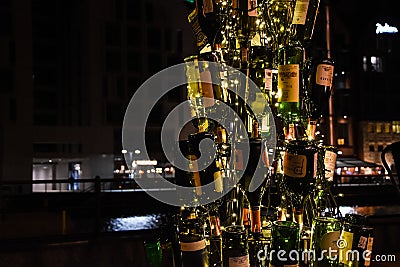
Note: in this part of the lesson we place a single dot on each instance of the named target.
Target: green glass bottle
(290, 83)
(325, 233)
(235, 248)
(284, 244)
(349, 254)
(153, 252)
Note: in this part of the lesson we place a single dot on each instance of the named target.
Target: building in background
(68, 70)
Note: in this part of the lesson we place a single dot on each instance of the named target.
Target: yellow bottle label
(300, 12)
(345, 244)
(288, 83)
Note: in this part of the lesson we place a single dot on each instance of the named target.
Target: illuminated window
(396, 127)
(387, 127)
(370, 127)
(378, 127)
(372, 63)
(340, 141)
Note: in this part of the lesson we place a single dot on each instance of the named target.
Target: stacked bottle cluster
(245, 43)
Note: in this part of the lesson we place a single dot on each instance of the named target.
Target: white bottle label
(324, 75)
(242, 261)
(330, 163)
(288, 83)
(300, 12)
(193, 246)
(207, 88)
(294, 165)
(268, 81)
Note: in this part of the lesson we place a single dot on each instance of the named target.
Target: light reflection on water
(143, 222)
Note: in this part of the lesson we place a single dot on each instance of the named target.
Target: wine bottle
(195, 94)
(235, 248)
(325, 234)
(215, 238)
(290, 83)
(351, 233)
(192, 242)
(300, 166)
(209, 20)
(284, 240)
(365, 245)
(304, 18)
(320, 84)
(245, 13)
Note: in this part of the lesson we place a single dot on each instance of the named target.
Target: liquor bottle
(350, 234)
(304, 18)
(290, 83)
(300, 166)
(284, 240)
(193, 242)
(235, 248)
(325, 234)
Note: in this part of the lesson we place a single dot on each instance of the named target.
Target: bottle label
(208, 6)
(207, 88)
(294, 165)
(300, 12)
(330, 163)
(268, 81)
(347, 241)
(288, 83)
(193, 246)
(324, 75)
(242, 261)
(238, 159)
(367, 260)
(252, 5)
(329, 242)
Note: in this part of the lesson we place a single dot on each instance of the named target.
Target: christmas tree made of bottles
(242, 43)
